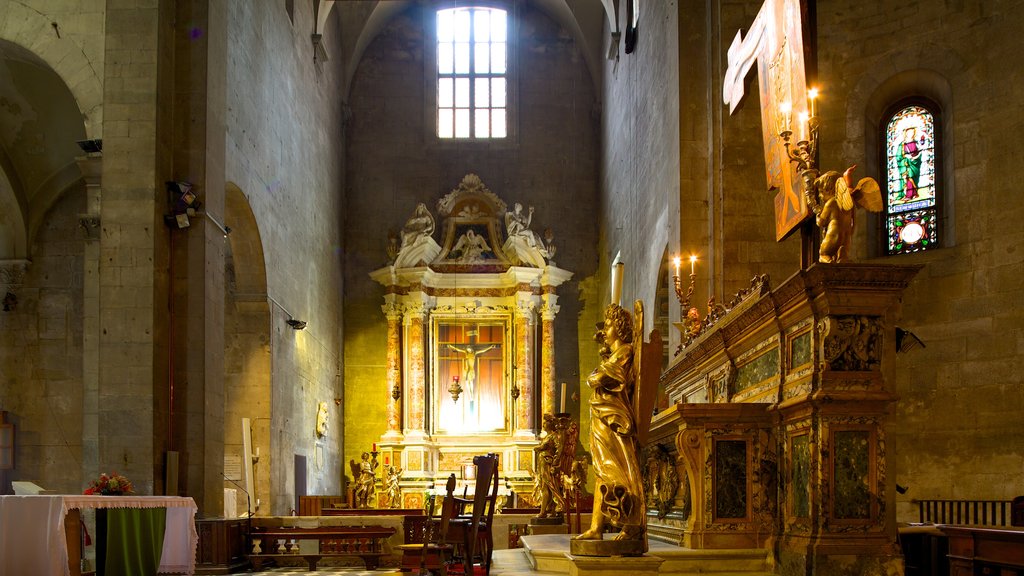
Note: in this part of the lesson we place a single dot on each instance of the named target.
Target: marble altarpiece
(470, 339)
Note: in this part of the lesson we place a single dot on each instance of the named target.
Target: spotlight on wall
(907, 340)
(91, 146)
(296, 324)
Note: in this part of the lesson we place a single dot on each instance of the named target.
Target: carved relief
(90, 225)
(661, 480)
(851, 342)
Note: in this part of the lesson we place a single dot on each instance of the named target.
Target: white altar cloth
(32, 539)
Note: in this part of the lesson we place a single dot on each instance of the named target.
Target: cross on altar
(775, 42)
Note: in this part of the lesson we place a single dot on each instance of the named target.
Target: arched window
(913, 186)
(472, 64)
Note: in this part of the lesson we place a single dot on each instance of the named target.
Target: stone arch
(247, 373)
(40, 122)
(928, 71)
(34, 31)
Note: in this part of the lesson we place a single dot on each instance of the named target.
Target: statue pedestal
(608, 547)
(540, 526)
(613, 566)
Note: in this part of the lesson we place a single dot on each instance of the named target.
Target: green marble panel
(758, 370)
(731, 479)
(800, 350)
(852, 498)
(800, 485)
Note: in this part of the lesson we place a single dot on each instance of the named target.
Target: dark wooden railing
(965, 512)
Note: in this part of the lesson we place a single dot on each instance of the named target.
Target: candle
(812, 94)
(374, 447)
(786, 109)
(804, 131)
(617, 268)
(677, 261)
(693, 265)
(562, 405)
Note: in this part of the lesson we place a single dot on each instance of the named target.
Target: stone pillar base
(613, 566)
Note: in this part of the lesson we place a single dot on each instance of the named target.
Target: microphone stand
(248, 512)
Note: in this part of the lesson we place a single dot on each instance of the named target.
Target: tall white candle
(617, 268)
(562, 405)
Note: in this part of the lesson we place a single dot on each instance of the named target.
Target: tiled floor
(505, 563)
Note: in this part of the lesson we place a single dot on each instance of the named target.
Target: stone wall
(395, 162)
(963, 392)
(285, 152)
(41, 354)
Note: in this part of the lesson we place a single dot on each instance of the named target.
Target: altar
(470, 340)
(40, 535)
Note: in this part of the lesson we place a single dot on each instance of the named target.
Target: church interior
(251, 250)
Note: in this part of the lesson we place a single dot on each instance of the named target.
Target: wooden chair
(475, 527)
(437, 550)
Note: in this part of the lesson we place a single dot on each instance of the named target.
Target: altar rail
(965, 512)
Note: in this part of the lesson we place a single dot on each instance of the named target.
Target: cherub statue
(833, 197)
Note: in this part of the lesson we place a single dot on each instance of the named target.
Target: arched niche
(247, 340)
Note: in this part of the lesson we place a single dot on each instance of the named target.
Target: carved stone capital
(12, 272)
(90, 226)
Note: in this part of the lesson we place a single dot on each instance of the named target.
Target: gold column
(393, 373)
(415, 316)
(524, 367)
(550, 399)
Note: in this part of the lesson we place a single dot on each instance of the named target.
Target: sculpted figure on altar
(418, 246)
(619, 493)
(469, 354)
(365, 478)
(554, 462)
(523, 246)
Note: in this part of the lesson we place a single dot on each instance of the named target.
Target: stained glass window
(911, 181)
(472, 63)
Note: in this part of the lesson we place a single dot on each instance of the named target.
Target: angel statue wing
(868, 195)
(356, 471)
(646, 370)
(844, 197)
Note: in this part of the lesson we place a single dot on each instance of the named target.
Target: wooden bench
(313, 544)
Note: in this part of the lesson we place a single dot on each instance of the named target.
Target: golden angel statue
(621, 405)
(365, 475)
(833, 198)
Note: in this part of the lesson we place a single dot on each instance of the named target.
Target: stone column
(550, 401)
(393, 313)
(415, 319)
(525, 315)
(91, 167)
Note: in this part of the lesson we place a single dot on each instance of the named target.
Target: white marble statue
(523, 246)
(418, 245)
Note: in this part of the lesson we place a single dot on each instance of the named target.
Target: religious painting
(470, 376)
(783, 94)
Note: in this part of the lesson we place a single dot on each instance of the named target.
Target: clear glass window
(471, 67)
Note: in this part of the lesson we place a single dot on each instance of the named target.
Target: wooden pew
(313, 544)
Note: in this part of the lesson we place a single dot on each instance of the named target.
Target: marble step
(547, 553)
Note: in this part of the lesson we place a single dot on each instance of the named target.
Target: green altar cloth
(130, 541)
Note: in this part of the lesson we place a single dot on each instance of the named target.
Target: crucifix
(775, 41)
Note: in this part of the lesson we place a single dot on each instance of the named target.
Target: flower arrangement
(110, 485)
